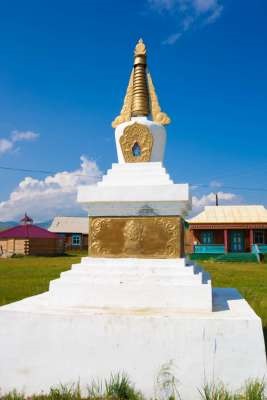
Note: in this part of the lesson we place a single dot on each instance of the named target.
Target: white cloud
(214, 16)
(189, 13)
(54, 195)
(172, 38)
(7, 145)
(216, 184)
(18, 136)
(162, 5)
(209, 199)
(203, 6)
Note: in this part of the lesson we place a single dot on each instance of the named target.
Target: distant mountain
(10, 224)
(7, 224)
(44, 224)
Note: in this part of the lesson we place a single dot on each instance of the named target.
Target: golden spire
(140, 101)
(140, 98)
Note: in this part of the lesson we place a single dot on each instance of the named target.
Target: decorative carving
(141, 237)
(136, 134)
(157, 115)
(125, 114)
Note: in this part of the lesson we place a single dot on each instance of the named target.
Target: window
(136, 150)
(259, 236)
(207, 237)
(76, 239)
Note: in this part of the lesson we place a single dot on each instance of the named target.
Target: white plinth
(133, 284)
(43, 345)
(136, 189)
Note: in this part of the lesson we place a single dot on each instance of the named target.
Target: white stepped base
(136, 189)
(42, 346)
(133, 284)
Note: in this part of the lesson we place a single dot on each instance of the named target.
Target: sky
(64, 69)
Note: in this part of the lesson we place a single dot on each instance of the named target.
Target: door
(237, 241)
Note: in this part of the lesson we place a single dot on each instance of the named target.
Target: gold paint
(140, 98)
(157, 115)
(140, 237)
(125, 114)
(140, 134)
(140, 48)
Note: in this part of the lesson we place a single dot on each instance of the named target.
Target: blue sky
(63, 73)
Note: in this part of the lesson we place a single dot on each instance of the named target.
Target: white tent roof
(231, 214)
(70, 225)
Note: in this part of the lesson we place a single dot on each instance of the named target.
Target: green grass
(27, 276)
(119, 387)
(252, 390)
(249, 278)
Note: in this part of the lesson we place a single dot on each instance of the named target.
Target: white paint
(133, 284)
(125, 209)
(159, 138)
(136, 189)
(43, 345)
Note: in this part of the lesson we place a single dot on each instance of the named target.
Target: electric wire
(204, 185)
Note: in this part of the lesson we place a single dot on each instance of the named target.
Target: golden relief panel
(141, 237)
(136, 143)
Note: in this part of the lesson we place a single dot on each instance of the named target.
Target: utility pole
(217, 199)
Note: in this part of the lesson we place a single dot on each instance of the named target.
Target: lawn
(27, 276)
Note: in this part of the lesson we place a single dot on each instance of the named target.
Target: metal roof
(70, 225)
(26, 232)
(231, 214)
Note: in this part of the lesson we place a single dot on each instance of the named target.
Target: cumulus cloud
(209, 199)
(18, 136)
(5, 145)
(188, 13)
(54, 195)
(8, 144)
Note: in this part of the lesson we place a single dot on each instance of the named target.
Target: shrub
(254, 390)
(14, 395)
(216, 392)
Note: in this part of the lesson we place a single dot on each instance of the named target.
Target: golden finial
(141, 98)
(140, 48)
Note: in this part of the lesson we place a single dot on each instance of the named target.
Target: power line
(229, 187)
(40, 171)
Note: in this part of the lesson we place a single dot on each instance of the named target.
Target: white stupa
(134, 304)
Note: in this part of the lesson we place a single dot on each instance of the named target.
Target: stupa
(135, 304)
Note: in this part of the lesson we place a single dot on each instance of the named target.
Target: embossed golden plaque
(136, 143)
(141, 237)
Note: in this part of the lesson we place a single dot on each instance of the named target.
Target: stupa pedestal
(135, 304)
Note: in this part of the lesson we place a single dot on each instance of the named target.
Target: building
(29, 239)
(74, 230)
(228, 229)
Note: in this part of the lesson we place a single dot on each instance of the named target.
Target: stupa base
(42, 345)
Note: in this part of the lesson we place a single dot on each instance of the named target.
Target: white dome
(159, 138)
